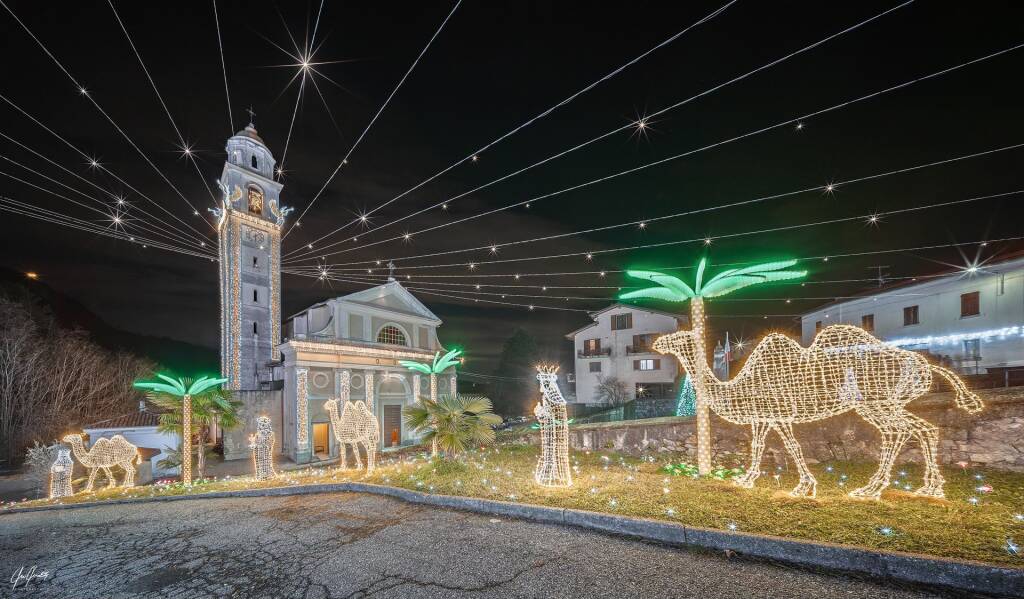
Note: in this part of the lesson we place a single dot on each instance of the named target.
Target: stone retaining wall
(994, 437)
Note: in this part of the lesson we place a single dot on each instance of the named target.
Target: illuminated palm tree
(673, 289)
(454, 421)
(439, 365)
(181, 392)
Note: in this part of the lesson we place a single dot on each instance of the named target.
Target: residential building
(618, 345)
(971, 320)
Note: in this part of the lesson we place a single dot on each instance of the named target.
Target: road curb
(905, 567)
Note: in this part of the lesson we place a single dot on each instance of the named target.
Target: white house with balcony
(972, 320)
(366, 334)
(618, 345)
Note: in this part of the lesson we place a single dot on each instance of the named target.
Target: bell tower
(249, 225)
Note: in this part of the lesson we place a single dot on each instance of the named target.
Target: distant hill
(177, 356)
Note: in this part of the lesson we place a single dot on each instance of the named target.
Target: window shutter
(657, 363)
(636, 364)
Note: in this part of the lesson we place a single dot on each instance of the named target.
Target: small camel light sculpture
(845, 369)
(104, 453)
(553, 465)
(355, 426)
(262, 445)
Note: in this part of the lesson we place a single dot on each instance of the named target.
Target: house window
(642, 343)
(622, 321)
(910, 316)
(254, 329)
(592, 347)
(972, 349)
(867, 322)
(595, 367)
(648, 364)
(255, 163)
(255, 296)
(817, 327)
(970, 304)
(391, 335)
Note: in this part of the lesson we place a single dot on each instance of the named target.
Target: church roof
(250, 132)
(377, 297)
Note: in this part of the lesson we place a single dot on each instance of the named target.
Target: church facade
(287, 370)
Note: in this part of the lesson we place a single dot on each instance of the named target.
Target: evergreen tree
(686, 405)
(518, 361)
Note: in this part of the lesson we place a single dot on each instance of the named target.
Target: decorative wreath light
(845, 369)
(553, 466)
(262, 445)
(104, 453)
(60, 474)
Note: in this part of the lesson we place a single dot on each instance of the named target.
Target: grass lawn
(606, 482)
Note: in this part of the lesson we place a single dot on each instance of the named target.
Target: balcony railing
(594, 353)
(639, 349)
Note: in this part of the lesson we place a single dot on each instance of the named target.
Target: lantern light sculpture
(553, 466)
(60, 474)
(104, 453)
(845, 369)
(262, 445)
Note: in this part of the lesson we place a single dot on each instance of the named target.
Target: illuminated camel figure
(104, 453)
(356, 425)
(553, 466)
(845, 369)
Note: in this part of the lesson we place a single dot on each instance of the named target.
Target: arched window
(255, 163)
(391, 335)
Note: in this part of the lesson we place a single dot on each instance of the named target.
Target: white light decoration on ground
(104, 453)
(553, 466)
(845, 369)
(60, 474)
(355, 426)
(262, 445)
(302, 408)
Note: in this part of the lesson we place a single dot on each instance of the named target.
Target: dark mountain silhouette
(177, 356)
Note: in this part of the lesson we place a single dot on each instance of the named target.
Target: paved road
(353, 545)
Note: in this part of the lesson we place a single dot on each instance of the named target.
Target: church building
(288, 370)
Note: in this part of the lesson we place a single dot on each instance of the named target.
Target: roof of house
(1010, 260)
(131, 420)
(595, 314)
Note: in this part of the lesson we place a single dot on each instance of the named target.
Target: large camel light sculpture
(104, 453)
(355, 426)
(553, 466)
(844, 369)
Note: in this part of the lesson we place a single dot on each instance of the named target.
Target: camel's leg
(355, 450)
(369, 457)
(129, 474)
(895, 431)
(111, 481)
(343, 448)
(927, 435)
(758, 432)
(807, 487)
(92, 477)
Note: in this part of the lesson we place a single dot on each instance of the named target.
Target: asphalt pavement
(350, 545)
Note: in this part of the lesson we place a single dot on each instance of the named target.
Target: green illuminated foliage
(440, 364)
(673, 289)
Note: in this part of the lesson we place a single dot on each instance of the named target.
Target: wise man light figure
(553, 466)
(262, 445)
(60, 474)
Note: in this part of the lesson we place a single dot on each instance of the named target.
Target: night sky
(494, 66)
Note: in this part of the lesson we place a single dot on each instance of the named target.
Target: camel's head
(547, 373)
(72, 438)
(681, 344)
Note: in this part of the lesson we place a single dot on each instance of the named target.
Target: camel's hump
(841, 335)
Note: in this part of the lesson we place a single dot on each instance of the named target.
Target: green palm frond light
(439, 365)
(673, 289)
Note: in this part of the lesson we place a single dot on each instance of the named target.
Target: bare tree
(53, 381)
(611, 390)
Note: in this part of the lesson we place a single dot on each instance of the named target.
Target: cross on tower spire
(252, 117)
